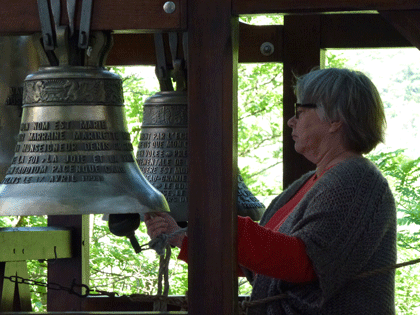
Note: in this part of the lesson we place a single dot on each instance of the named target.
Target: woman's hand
(158, 223)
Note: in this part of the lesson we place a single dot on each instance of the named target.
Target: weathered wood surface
(19, 244)
(22, 17)
(65, 271)
(212, 119)
(337, 31)
(301, 6)
(138, 49)
(407, 23)
(302, 38)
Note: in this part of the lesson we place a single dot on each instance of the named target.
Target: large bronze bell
(17, 60)
(74, 154)
(163, 155)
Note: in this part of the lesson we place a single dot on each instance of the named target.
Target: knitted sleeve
(346, 222)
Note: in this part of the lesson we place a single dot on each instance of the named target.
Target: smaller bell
(163, 155)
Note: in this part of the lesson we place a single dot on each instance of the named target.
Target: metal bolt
(169, 7)
(267, 49)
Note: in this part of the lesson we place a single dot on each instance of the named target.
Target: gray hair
(350, 97)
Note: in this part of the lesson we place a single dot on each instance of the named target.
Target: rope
(159, 243)
(387, 268)
(161, 300)
(244, 305)
(163, 249)
(182, 302)
(161, 305)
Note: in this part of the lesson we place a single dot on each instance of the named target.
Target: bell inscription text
(162, 158)
(162, 153)
(68, 151)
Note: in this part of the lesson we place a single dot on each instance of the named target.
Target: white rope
(159, 243)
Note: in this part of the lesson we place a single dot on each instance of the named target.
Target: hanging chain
(243, 306)
(160, 245)
(58, 287)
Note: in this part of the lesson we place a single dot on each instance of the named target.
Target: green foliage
(266, 19)
(117, 268)
(403, 175)
(260, 125)
(37, 269)
(20, 221)
(333, 60)
(135, 94)
(407, 289)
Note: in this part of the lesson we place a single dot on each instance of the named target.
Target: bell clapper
(124, 224)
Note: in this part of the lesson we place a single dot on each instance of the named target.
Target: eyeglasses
(297, 105)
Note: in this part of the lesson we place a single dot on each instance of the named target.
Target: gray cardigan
(348, 224)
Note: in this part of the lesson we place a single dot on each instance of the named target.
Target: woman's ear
(335, 126)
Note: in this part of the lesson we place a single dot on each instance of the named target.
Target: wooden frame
(214, 38)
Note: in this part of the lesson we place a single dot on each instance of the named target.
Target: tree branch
(265, 169)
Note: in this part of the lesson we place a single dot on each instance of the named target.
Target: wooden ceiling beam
(339, 31)
(359, 31)
(22, 17)
(407, 23)
(133, 16)
(139, 49)
(300, 6)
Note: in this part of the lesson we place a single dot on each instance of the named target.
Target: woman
(333, 223)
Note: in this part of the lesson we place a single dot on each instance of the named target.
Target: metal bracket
(178, 70)
(85, 24)
(45, 20)
(57, 42)
(162, 71)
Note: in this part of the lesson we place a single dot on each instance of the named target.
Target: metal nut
(267, 49)
(169, 7)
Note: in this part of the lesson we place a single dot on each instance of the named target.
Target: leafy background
(115, 267)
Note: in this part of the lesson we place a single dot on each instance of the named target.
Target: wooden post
(65, 271)
(301, 53)
(212, 91)
(14, 296)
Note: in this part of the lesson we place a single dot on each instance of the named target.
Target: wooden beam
(65, 271)
(99, 313)
(337, 31)
(212, 127)
(14, 296)
(124, 304)
(407, 23)
(302, 52)
(139, 49)
(22, 17)
(359, 31)
(132, 50)
(251, 37)
(301, 6)
(30, 243)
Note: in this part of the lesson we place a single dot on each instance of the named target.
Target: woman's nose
(291, 122)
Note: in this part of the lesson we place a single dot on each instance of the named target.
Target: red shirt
(265, 251)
